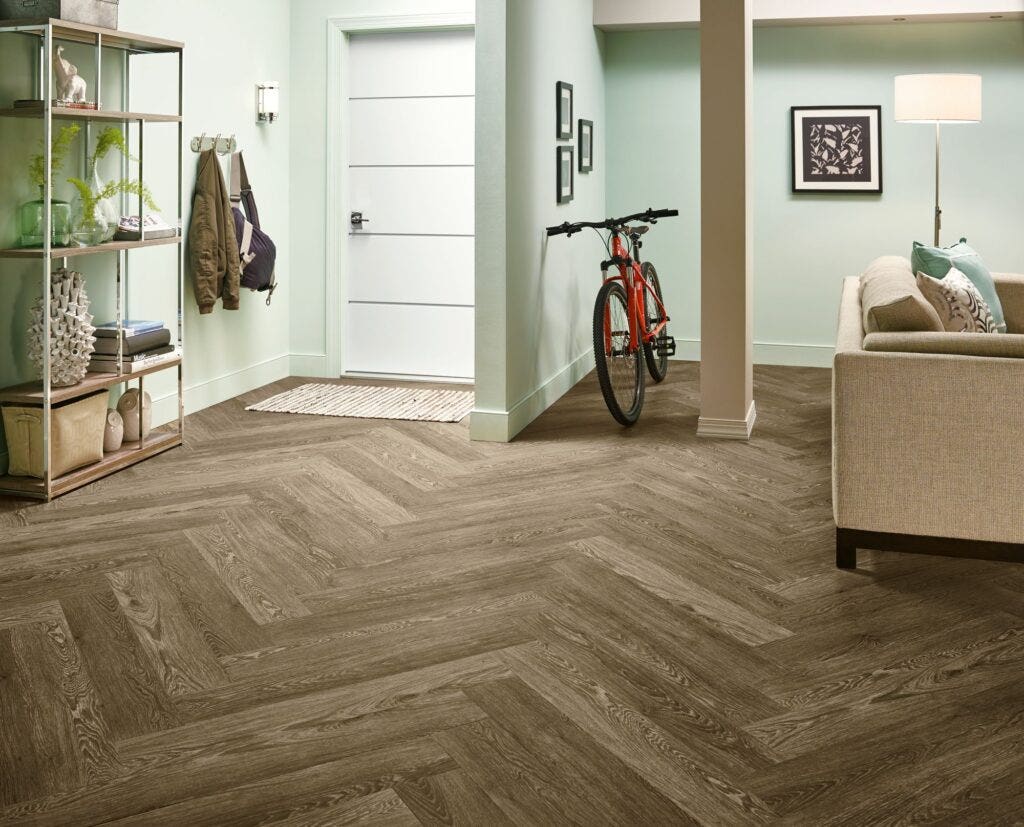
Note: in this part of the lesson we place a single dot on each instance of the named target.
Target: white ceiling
(663, 14)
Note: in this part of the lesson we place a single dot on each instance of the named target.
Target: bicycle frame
(630, 273)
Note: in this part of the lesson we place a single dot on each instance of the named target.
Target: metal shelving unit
(41, 394)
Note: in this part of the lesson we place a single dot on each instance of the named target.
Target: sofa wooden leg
(846, 550)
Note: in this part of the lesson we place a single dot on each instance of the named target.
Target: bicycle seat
(640, 229)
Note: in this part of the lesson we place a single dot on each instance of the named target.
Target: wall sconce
(268, 101)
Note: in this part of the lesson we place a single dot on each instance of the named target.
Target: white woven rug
(370, 402)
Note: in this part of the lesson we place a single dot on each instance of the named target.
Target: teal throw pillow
(938, 261)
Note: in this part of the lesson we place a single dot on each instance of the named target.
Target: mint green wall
(653, 89)
(550, 284)
(227, 353)
(805, 245)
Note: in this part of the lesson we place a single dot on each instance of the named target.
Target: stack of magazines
(143, 345)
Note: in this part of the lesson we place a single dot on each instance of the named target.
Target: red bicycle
(629, 314)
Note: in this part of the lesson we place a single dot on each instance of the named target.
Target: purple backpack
(255, 247)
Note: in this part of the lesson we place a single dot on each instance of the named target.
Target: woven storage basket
(76, 436)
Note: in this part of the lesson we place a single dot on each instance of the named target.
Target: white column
(726, 369)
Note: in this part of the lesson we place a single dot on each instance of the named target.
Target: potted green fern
(95, 215)
(32, 215)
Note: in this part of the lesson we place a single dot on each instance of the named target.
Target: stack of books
(31, 103)
(144, 344)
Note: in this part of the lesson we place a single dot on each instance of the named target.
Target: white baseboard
(309, 364)
(728, 428)
(769, 353)
(791, 355)
(408, 377)
(221, 388)
(502, 426)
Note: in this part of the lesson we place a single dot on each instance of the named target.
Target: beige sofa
(928, 436)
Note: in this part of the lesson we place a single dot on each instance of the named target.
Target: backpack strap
(236, 177)
(245, 246)
(241, 191)
(243, 176)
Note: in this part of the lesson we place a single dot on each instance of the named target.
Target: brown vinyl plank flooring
(307, 620)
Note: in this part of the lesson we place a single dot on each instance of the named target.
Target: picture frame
(563, 110)
(585, 137)
(836, 149)
(564, 175)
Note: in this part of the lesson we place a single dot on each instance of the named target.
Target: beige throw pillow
(891, 300)
(960, 306)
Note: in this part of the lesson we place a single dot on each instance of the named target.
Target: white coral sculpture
(71, 331)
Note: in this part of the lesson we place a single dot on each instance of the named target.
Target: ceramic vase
(113, 432)
(71, 331)
(128, 407)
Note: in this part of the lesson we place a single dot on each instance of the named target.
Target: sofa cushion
(1010, 346)
(937, 262)
(1010, 287)
(891, 300)
(958, 302)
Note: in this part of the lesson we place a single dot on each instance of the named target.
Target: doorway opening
(401, 188)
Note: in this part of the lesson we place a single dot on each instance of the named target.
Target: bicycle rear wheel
(620, 370)
(657, 360)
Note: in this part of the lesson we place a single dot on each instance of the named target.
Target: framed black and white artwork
(563, 109)
(837, 149)
(586, 147)
(564, 156)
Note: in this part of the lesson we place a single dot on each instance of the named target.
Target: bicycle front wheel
(620, 369)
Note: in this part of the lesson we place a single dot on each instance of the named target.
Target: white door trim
(337, 208)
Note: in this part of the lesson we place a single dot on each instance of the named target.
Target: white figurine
(70, 84)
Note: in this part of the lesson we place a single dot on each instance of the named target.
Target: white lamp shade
(938, 98)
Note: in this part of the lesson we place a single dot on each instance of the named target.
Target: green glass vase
(32, 220)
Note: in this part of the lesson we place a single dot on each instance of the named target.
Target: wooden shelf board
(31, 393)
(71, 252)
(84, 33)
(128, 454)
(71, 113)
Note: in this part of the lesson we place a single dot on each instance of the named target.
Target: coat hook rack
(224, 146)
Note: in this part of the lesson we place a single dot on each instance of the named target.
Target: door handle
(358, 220)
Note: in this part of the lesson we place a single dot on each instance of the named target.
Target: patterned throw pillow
(958, 303)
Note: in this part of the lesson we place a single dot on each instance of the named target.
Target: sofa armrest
(928, 444)
(850, 327)
(1010, 287)
(999, 346)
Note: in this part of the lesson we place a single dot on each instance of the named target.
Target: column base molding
(727, 428)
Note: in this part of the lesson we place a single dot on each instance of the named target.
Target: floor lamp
(938, 99)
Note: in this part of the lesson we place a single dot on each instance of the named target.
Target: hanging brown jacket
(212, 246)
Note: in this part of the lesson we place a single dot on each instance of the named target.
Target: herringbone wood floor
(300, 620)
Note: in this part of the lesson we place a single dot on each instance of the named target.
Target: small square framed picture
(563, 104)
(586, 148)
(564, 157)
(837, 149)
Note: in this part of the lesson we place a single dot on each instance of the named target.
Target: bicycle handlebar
(650, 217)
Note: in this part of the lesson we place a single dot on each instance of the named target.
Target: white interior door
(409, 275)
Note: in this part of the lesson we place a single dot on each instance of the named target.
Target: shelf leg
(46, 79)
(181, 251)
(142, 409)
(99, 71)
